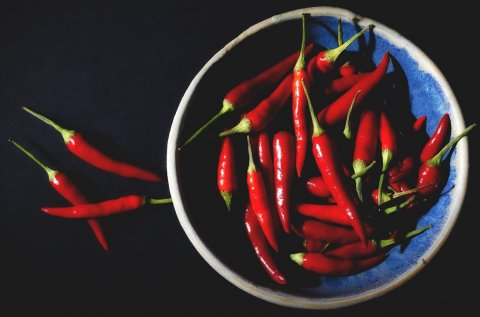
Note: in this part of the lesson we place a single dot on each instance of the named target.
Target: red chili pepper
(260, 245)
(299, 104)
(104, 208)
(317, 187)
(419, 124)
(68, 190)
(85, 151)
(329, 266)
(347, 70)
(325, 60)
(327, 213)
(242, 94)
(359, 250)
(284, 162)
(318, 230)
(365, 147)
(343, 84)
(388, 141)
(402, 170)
(226, 175)
(429, 172)
(259, 117)
(315, 245)
(439, 138)
(265, 161)
(327, 161)
(337, 111)
(259, 199)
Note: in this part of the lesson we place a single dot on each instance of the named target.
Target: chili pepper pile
(321, 199)
(81, 208)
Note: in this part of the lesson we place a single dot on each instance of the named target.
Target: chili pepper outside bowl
(219, 236)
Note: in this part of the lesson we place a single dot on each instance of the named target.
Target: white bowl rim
(277, 296)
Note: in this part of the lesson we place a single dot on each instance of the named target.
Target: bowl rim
(275, 295)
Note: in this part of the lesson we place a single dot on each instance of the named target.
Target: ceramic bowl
(219, 236)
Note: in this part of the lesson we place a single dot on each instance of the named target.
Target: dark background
(117, 71)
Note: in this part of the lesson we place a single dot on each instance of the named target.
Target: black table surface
(117, 71)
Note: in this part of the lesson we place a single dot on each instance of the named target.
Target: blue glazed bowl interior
(219, 236)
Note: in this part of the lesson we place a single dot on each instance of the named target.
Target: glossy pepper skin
(317, 187)
(438, 139)
(343, 84)
(329, 165)
(319, 230)
(389, 146)
(257, 191)
(104, 208)
(327, 213)
(81, 148)
(284, 167)
(260, 245)
(226, 172)
(68, 190)
(430, 171)
(299, 104)
(337, 111)
(330, 266)
(365, 148)
(259, 117)
(241, 95)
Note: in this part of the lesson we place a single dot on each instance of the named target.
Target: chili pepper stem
(381, 244)
(360, 168)
(50, 172)
(347, 131)
(227, 197)
(244, 126)
(301, 58)
(339, 32)
(437, 159)
(66, 134)
(251, 164)
(387, 156)
(226, 107)
(155, 201)
(317, 129)
(332, 54)
(392, 209)
(297, 258)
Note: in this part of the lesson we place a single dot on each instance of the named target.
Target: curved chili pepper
(317, 187)
(337, 111)
(68, 190)
(327, 162)
(284, 162)
(359, 250)
(226, 172)
(388, 141)
(429, 172)
(315, 245)
(325, 60)
(258, 194)
(318, 230)
(299, 104)
(329, 266)
(365, 147)
(242, 94)
(343, 84)
(419, 124)
(260, 116)
(402, 170)
(104, 208)
(327, 213)
(260, 245)
(77, 145)
(437, 140)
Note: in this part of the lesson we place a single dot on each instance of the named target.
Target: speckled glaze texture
(426, 92)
